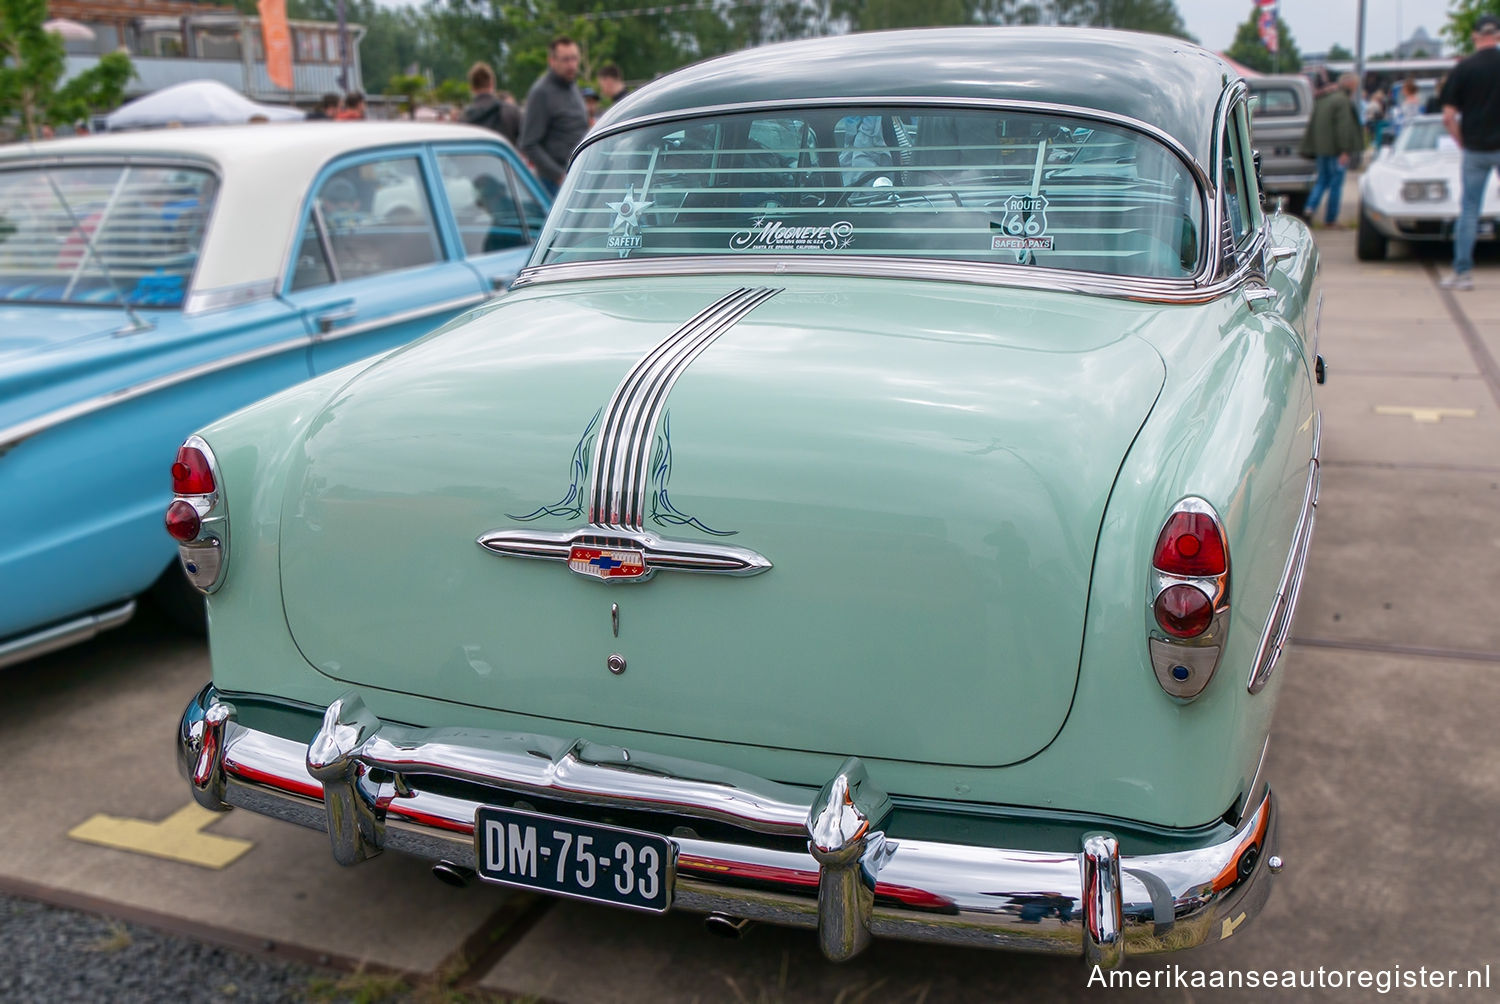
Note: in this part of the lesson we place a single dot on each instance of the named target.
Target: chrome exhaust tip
(722, 925)
(449, 873)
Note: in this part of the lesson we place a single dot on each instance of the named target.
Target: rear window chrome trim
(1166, 291)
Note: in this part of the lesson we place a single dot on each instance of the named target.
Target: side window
(1237, 180)
(531, 208)
(483, 202)
(1252, 182)
(376, 217)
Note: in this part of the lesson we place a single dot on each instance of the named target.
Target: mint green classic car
(878, 507)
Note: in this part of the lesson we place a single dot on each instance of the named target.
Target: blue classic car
(878, 507)
(150, 282)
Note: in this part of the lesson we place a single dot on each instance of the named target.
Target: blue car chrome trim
(1279, 624)
(21, 431)
(776, 852)
(623, 546)
(69, 632)
(617, 489)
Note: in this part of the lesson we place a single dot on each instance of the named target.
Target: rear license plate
(564, 857)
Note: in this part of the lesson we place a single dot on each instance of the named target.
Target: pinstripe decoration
(618, 480)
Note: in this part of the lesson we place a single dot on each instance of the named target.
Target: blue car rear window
(102, 234)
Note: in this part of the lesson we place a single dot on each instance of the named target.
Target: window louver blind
(965, 185)
(105, 235)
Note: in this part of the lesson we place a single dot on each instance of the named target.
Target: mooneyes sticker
(771, 235)
(627, 219)
(1024, 225)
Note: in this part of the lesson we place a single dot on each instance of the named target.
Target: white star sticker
(628, 211)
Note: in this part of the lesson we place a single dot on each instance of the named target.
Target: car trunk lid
(925, 468)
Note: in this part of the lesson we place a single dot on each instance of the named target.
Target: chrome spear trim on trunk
(614, 546)
(617, 490)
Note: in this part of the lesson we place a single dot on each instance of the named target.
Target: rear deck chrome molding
(375, 785)
(71, 632)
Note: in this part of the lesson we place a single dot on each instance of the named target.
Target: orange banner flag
(278, 38)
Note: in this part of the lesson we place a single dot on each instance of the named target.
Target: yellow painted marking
(179, 837)
(1230, 925)
(1426, 414)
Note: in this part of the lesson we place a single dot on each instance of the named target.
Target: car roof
(1167, 82)
(265, 169)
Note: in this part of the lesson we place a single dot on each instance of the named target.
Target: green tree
(1337, 54)
(412, 88)
(32, 64)
(1249, 50)
(1461, 17)
(1159, 16)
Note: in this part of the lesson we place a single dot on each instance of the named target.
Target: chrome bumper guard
(375, 785)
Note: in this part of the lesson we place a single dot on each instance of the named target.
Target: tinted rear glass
(1276, 101)
(972, 185)
(102, 234)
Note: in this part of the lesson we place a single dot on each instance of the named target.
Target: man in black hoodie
(556, 118)
(487, 109)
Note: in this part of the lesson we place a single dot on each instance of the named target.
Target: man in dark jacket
(1335, 137)
(487, 109)
(1471, 114)
(555, 116)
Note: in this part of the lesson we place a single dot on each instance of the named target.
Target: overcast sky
(1318, 24)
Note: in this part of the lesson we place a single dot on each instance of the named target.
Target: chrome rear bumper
(769, 852)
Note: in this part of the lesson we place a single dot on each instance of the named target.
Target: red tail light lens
(191, 474)
(1183, 611)
(183, 522)
(1190, 546)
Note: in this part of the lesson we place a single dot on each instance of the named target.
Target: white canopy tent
(195, 102)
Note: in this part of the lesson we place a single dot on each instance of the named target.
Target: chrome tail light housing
(1189, 598)
(197, 517)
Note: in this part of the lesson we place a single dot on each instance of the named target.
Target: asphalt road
(1385, 754)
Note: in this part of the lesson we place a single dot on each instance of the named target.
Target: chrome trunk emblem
(621, 555)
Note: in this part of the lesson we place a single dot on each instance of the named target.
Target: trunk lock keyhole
(616, 663)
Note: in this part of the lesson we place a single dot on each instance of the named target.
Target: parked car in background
(879, 511)
(1412, 189)
(151, 282)
(1282, 106)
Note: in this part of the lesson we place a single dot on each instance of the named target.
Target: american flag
(1266, 22)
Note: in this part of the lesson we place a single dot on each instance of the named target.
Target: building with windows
(172, 41)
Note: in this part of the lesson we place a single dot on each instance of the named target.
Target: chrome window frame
(1209, 282)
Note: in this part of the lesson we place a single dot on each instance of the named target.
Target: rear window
(969, 185)
(104, 235)
(1276, 101)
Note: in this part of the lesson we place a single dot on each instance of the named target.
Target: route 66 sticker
(1024, 225)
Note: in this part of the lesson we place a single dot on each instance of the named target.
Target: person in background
(354, 107)
(612, 83)
(326, 110)
(1471, 114)
(1408, 107)
(591, 104)
(555, 118)
(488, 109)
(1335, 138)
